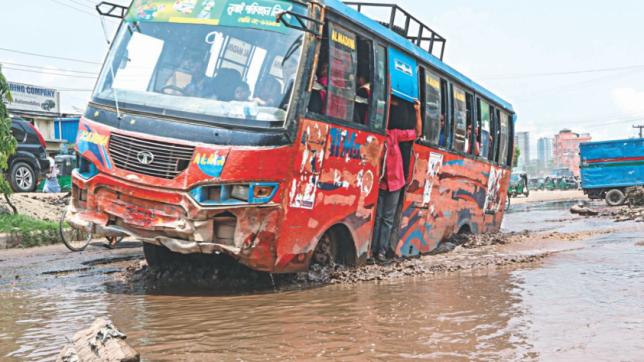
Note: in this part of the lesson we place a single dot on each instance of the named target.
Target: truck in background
(610, 168)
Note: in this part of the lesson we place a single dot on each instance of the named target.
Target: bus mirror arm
(301, 22)
(112, 10)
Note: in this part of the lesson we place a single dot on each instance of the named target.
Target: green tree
(515, 158)
(7, 141)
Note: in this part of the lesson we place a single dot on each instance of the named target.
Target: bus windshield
(235, 75)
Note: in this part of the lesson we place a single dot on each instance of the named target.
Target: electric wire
(48, 69)
(50, 56)
(48, 73)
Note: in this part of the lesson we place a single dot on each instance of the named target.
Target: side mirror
(300, 22)
(112, 10)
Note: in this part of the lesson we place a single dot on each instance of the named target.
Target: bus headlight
(254, 193)
(86, 168)
(240, 192)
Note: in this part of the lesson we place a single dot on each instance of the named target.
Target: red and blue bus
(212, 131)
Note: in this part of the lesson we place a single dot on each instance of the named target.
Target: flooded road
(582, 304)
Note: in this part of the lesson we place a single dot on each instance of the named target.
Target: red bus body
(275, 201)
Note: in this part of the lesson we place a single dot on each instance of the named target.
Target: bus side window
(503, 139)
(460, 119)
(317, 102)
(445, 122)
(497, 135)
(510, 155)
(484, 112)
(434, 122)
(364, 78)
(342, 70)
(493, 139)
(473, 145)
(379, 104)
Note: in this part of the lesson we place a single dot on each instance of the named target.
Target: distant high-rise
(522, 141)
(566, 149)
(544, 151)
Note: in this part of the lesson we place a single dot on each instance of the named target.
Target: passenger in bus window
(392, 182)
(242, 92)
(363, 94)
(442, 139)
(270, 93)
(318, 96)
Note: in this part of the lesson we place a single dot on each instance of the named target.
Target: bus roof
(412, 49)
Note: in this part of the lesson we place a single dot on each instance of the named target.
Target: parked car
(29, 163)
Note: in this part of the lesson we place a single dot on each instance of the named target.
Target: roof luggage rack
(410, 27)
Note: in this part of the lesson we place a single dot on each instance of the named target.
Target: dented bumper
(171, 218)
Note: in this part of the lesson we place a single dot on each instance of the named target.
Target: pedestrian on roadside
(51, 181)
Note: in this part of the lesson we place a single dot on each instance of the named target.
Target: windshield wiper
(292, 49)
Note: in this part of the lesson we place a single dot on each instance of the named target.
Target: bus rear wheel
(615, 197)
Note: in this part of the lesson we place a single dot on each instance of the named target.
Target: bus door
(341, 141)
(416, 222)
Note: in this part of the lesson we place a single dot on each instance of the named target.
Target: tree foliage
(7, 141)
(515, 157)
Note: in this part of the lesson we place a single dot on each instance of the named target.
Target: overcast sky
(594, 48)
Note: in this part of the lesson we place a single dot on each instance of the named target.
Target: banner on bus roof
(259, 14)
(404, 79)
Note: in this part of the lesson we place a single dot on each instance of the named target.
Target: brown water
(586, 304)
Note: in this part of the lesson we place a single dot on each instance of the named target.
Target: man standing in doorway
(393, 179)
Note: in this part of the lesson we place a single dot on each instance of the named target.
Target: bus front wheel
(157, 256)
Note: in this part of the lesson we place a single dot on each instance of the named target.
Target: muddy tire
(157, 256)
(615, 197)
(325, 253)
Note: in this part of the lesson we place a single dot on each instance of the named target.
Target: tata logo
(404, 68)
(145, 157)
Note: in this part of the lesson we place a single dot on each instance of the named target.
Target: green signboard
(259, 14)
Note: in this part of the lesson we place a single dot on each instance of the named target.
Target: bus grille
(167, 160)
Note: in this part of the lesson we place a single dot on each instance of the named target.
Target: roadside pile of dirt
(469, 252)
(624, 213)
(48, 207)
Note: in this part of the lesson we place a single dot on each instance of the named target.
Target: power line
(573, 72)
(49, 69)
(74, 8)
(49, 56)
(49, 73)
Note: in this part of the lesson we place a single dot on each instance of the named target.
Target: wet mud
(220, 274)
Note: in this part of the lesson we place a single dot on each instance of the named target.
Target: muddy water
(586, 304)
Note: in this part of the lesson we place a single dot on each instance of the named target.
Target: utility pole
(641, 126)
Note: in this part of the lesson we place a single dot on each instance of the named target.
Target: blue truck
(610, 168)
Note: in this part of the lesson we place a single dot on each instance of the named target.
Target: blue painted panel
(608, 164)
(403, 70)
(612, 149)
(68, 127)
(612, 176)
(409, 47)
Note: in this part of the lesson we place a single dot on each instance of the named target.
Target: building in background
(41, 107)
(566, 150)
(522, 141)
(544, 152)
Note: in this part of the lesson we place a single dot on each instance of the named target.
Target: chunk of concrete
(100, 342)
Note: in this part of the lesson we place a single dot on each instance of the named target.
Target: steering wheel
(174, 88)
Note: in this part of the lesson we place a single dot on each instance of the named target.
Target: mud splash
(461, 253)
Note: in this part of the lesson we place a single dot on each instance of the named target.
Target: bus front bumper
(108, 206)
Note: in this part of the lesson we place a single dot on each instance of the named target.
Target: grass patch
(22, 223)
(30, 231)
